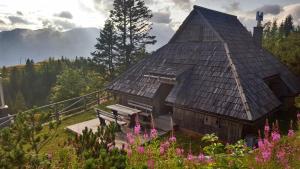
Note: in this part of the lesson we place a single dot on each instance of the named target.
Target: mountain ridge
(19, 44)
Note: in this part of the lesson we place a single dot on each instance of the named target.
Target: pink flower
(190, 157)
(129, 152)
(153, 133)
(172, 139)
(298, 116)
(280, 154)
(161, 150)
(146, 136)
(150, 164)
(179, 151)
(130, 138)
(137, 129)
(258, 159)
(141, 149)
(267, 144)
(201, 157)
(260, 143)
(266, 154)
(291, 133)
(275, 136)
(166, 144)
(267, 128)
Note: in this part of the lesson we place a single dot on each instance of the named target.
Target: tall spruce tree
(132, 20)
(288, 25)
(274, 29)
(105, 54)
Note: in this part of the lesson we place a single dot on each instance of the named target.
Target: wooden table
(123, 110)
(128, 112)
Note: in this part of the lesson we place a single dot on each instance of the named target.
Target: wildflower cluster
(146, 150)
(272, 146)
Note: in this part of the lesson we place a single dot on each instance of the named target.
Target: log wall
(200, 122)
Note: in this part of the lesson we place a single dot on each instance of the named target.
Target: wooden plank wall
(226, 130)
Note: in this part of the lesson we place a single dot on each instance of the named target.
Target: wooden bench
(103, 115)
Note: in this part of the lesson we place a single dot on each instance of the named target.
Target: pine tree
(281, 30)
(288, 25)
(29, 85)
(274, 29)
(132, 20)
(19, 103)
(105, 54)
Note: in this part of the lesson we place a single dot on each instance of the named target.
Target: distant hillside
(20, 44)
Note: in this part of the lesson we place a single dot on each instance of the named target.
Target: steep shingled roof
(218, 69)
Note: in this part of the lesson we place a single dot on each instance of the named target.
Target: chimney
(258, 30)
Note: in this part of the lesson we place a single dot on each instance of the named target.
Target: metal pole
(2, 105)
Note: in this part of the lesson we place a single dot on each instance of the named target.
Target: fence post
(84, 102)
(98, 97)
(56, 115)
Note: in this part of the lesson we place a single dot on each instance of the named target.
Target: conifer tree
(105, 54)
(132, 20)
(274, 28)
(288, 25)
(29, 85)
(19, 104)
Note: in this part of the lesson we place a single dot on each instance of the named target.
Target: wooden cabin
(213, 76)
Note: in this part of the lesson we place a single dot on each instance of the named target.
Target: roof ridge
(223, 13)
(237, 80)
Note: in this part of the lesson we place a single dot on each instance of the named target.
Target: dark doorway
(162, 93)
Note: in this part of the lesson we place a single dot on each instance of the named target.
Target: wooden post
(56, 115)
(84, 102)
(98, 97)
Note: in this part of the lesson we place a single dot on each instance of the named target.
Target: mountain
(18, 44)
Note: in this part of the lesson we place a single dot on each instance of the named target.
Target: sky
(63, 15)
(66, 14)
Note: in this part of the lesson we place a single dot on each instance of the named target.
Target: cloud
(183, 4)
(161, 17)
(163, 33)
(234, 6)
(58, 24)
(103, 5)
(2, 22)
(18, 20)
(269, 9)
(64, 14)
(19, 13)
(63, 24)
(293, 9)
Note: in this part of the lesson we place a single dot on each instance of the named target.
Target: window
(211, 121)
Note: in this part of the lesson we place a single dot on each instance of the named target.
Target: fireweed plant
(146, 150)
(275, 151)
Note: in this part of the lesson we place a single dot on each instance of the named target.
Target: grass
(59, 135)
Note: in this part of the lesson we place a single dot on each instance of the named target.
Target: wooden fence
(65, 108)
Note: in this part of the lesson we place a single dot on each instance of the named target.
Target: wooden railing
(65, 108)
